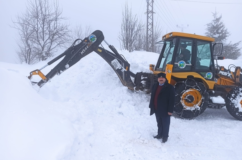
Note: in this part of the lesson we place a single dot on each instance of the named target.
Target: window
(203, 60)
(168, 53)
(183, 56)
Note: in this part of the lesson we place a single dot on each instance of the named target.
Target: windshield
(167, 55)
(183, 60)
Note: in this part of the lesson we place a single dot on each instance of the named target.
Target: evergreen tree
(216, 29)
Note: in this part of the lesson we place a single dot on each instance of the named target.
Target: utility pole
(149, 26)
(182, 27)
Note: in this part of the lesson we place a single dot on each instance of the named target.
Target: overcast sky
(105, 15)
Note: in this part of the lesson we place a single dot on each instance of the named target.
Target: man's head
(183, 46)
(161, 78)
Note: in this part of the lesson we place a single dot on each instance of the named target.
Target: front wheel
(234, 102)
(191, 99)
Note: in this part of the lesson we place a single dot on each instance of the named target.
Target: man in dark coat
(185, 54)
(162, 104)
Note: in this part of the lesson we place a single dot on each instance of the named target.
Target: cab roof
(187, 35)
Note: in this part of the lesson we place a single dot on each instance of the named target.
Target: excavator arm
(138, 81)
(119, 65)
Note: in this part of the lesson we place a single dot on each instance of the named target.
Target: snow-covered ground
(86, 114)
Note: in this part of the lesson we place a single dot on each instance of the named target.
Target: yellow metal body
(180, 34)
(225, 81)
(210, 84)
(183, 75)
(222, 80)
(169, 72)
(37, 72)
(237, 74)
(152, 67)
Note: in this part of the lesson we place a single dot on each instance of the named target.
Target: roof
(187, 35)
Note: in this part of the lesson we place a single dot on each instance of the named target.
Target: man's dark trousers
(163, 124)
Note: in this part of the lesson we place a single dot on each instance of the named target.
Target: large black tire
(191, 98)
(234, 102)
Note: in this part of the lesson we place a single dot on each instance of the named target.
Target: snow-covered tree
(217, 30)
(232, 50)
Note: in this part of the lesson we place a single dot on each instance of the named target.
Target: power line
(160, 11)
(168, 18)
(182, 27)
(209, 2)
(181, 9)
(141, 10)
(164, 19)
(169, 11)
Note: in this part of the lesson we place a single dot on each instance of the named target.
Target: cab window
(203, 60)
(168, 53)
(183, 58)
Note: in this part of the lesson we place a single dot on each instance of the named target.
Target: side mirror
(152, 67)
(219, 58)
(217, 49)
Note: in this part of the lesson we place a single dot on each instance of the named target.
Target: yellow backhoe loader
(188, 61)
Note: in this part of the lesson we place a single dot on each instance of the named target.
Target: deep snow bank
(30, 127)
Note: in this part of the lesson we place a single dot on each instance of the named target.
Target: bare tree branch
(80, 33)
(133, 36)
(41, 31)
(131, 28)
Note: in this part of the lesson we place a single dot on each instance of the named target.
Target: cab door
(204, 64)
(166, 54)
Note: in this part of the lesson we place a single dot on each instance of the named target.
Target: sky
(88, 116)
(189, 16)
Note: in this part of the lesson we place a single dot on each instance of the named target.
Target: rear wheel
(234, 102)
(191, 98)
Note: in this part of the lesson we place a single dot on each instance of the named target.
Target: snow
(86, 114)
(218, 100)
(228, 62)
(237, 99)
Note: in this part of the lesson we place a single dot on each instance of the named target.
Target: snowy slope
(86, 114)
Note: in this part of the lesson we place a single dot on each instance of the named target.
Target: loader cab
(187, 53)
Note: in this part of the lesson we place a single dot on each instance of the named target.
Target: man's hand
(169, 113)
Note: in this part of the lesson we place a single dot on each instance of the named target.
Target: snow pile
(228, 62)
(29, 124)
(85, 113)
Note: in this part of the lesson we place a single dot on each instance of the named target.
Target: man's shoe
(164, 140)
(158, 136)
